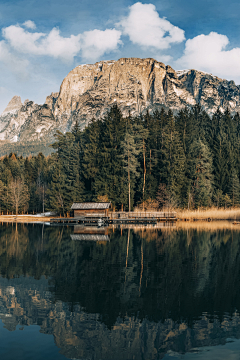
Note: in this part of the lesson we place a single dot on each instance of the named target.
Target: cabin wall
(85, 212)
(92, 230)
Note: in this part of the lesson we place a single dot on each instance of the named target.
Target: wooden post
(129, 196)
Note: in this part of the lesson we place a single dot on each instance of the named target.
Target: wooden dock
(144, 215)
(140, 218)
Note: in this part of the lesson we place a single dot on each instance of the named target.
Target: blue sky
(41, 41)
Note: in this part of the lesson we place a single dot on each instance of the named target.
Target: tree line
(37, 251)
(159, 160)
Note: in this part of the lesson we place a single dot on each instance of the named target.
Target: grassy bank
(24, 218)
(209, 214)
(231, 214)
(212, 226)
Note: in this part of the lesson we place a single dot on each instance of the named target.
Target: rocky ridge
(134, 84)
(82, 335)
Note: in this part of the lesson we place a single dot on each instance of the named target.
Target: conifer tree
(234, 188)
(153, 125)
(57, 188)
(108, 179)
(201, 173)
(220, 161)
(172, 161)
(2, 189)
(91, 155)
(141, 136)
(130, 162)
(76, 132)
(183, 128)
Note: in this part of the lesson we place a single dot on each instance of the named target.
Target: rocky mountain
(134, 84)
(26, 302)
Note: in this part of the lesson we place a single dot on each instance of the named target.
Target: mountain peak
(13, 106)
(136, 85)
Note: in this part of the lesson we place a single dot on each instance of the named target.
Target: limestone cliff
(134, 84)
(82, 335)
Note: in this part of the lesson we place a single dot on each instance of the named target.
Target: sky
(42, 41)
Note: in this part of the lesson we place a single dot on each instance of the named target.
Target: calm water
(132, 294)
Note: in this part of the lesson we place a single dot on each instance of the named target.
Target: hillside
(135, 85)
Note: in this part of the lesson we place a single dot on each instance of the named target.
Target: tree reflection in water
(143, 293)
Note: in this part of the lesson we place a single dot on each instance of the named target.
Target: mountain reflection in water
(139, 293)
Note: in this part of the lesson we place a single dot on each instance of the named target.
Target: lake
(166, 292)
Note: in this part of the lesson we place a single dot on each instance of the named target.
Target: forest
(153, 161)
(206, 265)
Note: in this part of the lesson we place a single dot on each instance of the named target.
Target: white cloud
(93, 44)
(29, 24)
(145, 28)
(96, 42)
(59, 47)
(207, 53)
(36, 43)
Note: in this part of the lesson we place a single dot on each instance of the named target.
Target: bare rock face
(211, 92)
(9, 113)
(31, 122)
(134, 84)
(51, 100)
(82, 335)
(13, 106)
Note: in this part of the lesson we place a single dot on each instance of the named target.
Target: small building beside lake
(90, 233)
(88, 209)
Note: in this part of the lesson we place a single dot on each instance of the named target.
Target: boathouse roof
(90, 237)
(90, 206)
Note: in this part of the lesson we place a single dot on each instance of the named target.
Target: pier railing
(142, 215)
(119, 218)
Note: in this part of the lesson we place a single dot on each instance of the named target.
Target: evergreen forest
(160, 160)
(72, 267)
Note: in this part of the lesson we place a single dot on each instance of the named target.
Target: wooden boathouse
(95, 213)
(90, 233)
(90, 209)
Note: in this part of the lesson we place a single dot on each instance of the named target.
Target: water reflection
(90, 233)
(147, 293)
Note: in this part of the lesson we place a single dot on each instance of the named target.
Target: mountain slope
(134, 84)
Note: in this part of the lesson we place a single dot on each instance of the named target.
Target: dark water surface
(118, 294)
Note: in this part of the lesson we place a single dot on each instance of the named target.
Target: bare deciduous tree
(18, 195)
(162, 196)
(166, 198)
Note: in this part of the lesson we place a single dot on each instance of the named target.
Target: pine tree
(220, 161)
(153, 125)
(2, 190)
(234, 188)
(141, 136)
(91, 155)
(130, 162)
(172, 161)
(182, 127)
(201, 173)
(76, 132)
(108, 179)
(57, 188)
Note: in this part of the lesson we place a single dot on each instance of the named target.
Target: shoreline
(24, 218)
(200, 215)
(211, 214)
